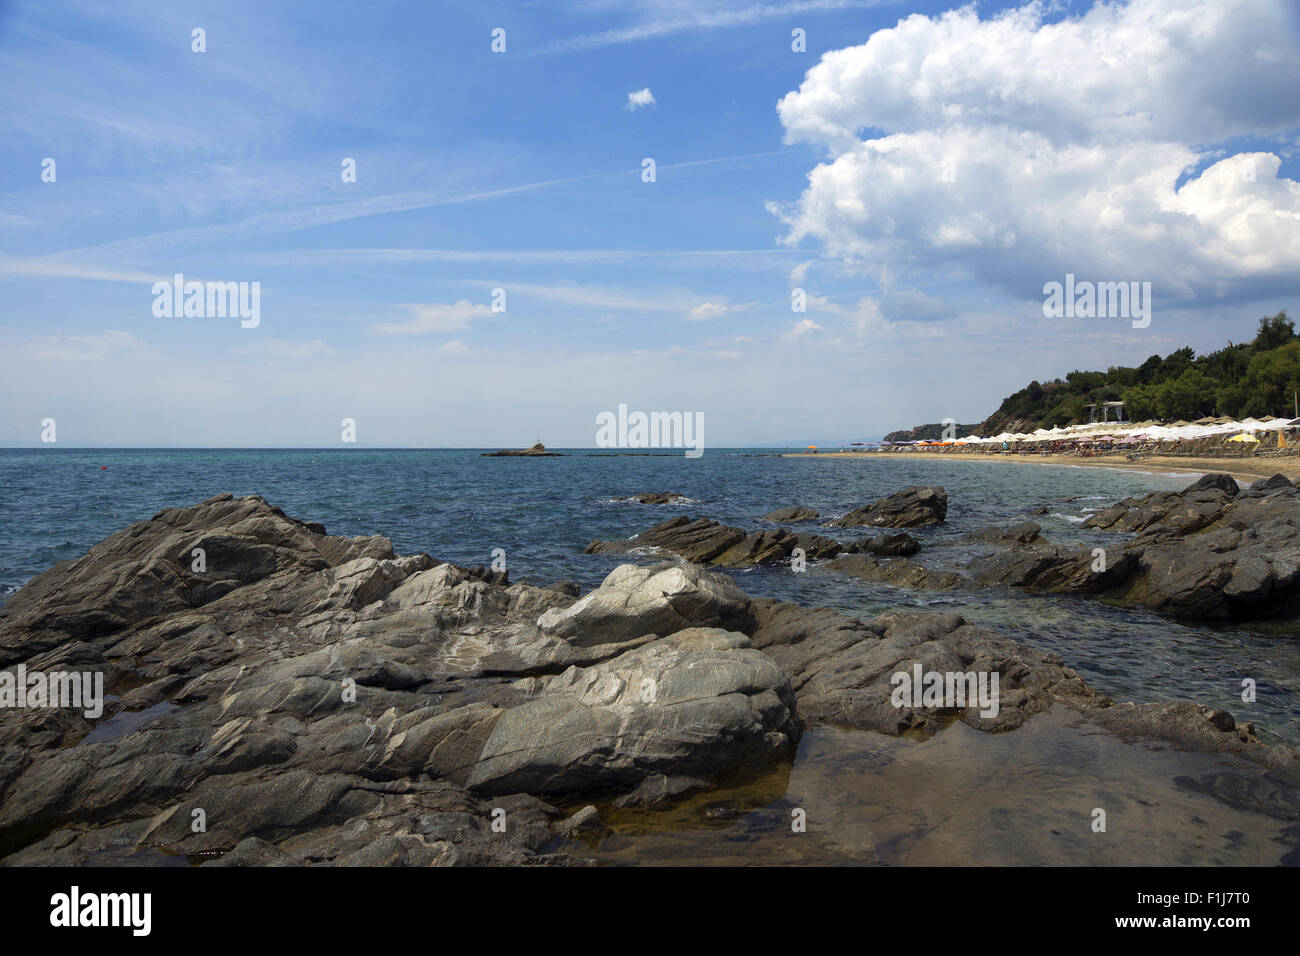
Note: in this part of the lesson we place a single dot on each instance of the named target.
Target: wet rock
(1049, 568)
(913, 507)
(657, 498)
(844, 671)
(703, 541)
(1024, 533)
(661, 788)
(332, 703)
(791, 515)
(1208, 551)
(888, 545)
(696, 540)
(898, 572)
(585, 823)
(332, 695)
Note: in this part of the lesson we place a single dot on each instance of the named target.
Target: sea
(542, 512)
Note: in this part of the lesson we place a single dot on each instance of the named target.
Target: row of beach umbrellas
(1128, 433)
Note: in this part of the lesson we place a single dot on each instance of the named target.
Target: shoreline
(1262, 468)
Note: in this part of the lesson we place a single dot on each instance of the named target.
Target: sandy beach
(1245, 470)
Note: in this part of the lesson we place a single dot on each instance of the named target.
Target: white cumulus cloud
(1016, 149)
(641, 98)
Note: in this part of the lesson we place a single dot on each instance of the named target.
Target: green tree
(1272, 380)
(1147, 370)
(1188, 396)
(1274, 332)
(1140, 402)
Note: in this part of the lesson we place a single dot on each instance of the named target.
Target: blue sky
(920, 173)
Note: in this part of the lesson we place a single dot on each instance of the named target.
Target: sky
(919, 170)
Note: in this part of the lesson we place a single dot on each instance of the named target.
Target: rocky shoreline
(1212, 550)
(317, 699)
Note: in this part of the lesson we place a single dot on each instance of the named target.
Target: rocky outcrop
(1177, 512)
(1275, 483)
(888, 545)
(536, 451)
(700, 702)
(704, 541)
(1214, 482)
(322, 699)
(898, 572)
(845, 671)
(634, 601)
(791, 515)
(1209, 551)
(316, 699)
(657, 498)
(1020, 535)
(913, 507)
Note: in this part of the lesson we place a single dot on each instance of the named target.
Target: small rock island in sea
(537, 451)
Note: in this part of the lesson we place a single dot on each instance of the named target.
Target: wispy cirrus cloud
(659, 20)
(434, 317)
(704, 258)
(714, 310)
(294, 218)
(36, 267)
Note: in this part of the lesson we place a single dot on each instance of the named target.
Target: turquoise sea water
(457, 506)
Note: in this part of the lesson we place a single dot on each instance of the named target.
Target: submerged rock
(898, 572)
(889, 545)
(657, 498)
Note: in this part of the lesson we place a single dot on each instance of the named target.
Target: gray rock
(1278, 482)
(888, 545)
(899, 572)
(703, 541)
(329, 686)
(702, 702)
(322, 701)
(913, 507)
(791, 515)
(1216, 480)
(657, 498)
(1024, 533)
(661, 600)
(584, 823)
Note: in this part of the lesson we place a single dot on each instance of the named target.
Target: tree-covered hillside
(1257, 378)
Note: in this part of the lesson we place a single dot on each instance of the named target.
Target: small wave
(645, 550)
(1076, 519)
